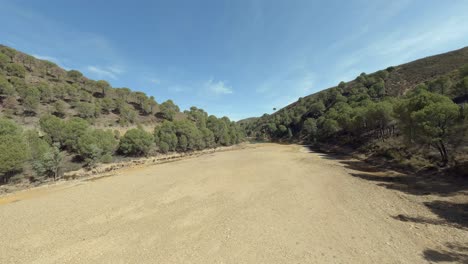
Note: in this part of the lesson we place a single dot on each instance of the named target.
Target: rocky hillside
(53, 121)
(31, 88)
(419, 107)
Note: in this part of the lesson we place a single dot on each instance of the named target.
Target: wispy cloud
(49, 58)
(52, 59)
(155, 81)
(177, 88)
(105, 72)
(218, 87)
(403, 45)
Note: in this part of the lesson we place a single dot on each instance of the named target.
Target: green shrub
(136, 142)
(93, 145)
(13, 149)
(16, 70)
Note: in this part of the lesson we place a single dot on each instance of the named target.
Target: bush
(95, 144)
(16, 70)
(14, 150)
(136, 142)
(86, 110)
(49, 163)
(107, 158)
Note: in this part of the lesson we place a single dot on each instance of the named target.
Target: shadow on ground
(452, 253)
(448, 213)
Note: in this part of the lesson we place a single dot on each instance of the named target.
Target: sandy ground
(265, 203)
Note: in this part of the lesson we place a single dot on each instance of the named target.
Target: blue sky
(232, 57)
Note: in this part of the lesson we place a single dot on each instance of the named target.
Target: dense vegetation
(51, 118)
(416, 125)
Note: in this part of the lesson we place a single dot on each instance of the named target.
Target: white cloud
(52, 59)
(155, 81)
(218, 88)
(177, 88)
(116, 69)
(102, 72)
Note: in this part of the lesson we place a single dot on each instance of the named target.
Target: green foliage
(86, 110)
(127, 115)
(329, 127)
(461, 88)
(59, 108)
(309, 129)
(66, 133)
(95, 144)
(429, 119)
(4, 60)
(14, 150)
(8, 127)
(9, 52)
(165, 137)
(168, 110)
(49, 163)
(5, 87)
(463, 71)
(74, 74)
(103, 87)
(441, 85)
(136, 142)
(31, 100)
(52, 126)
(16, 70)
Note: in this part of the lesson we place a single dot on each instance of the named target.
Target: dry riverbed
(265, 203)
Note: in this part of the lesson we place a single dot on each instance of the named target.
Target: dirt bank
(266, 203)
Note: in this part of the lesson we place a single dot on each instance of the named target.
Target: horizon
(265, 58)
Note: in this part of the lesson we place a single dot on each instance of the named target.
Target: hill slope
(53, 120)
(383, 106)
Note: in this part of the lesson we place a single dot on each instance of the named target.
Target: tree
(46, 92)
(52, 126)
(429, 119)
(72, 130)
(463, 71)
(434, 124)
(136, 142)
(309, 129)
(107, 105)
(103, 87)
(317, 109)
(9, 52)
(4, 60)
(165, 135)
(168, 110)
(127, 115)
(74, 74)
(442, 85)
(329, 127)
(86, 110)
(14, 150)
(461, 88)
(94, 144)
(31, 100)
(59, 108)
(49, 163)
(5, 87)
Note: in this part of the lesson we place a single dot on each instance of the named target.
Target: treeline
(361, 112)
(43, 151)
(32, 88)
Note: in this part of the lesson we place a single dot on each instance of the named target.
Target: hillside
(53, 120)
(39, 87)
(407, 114)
